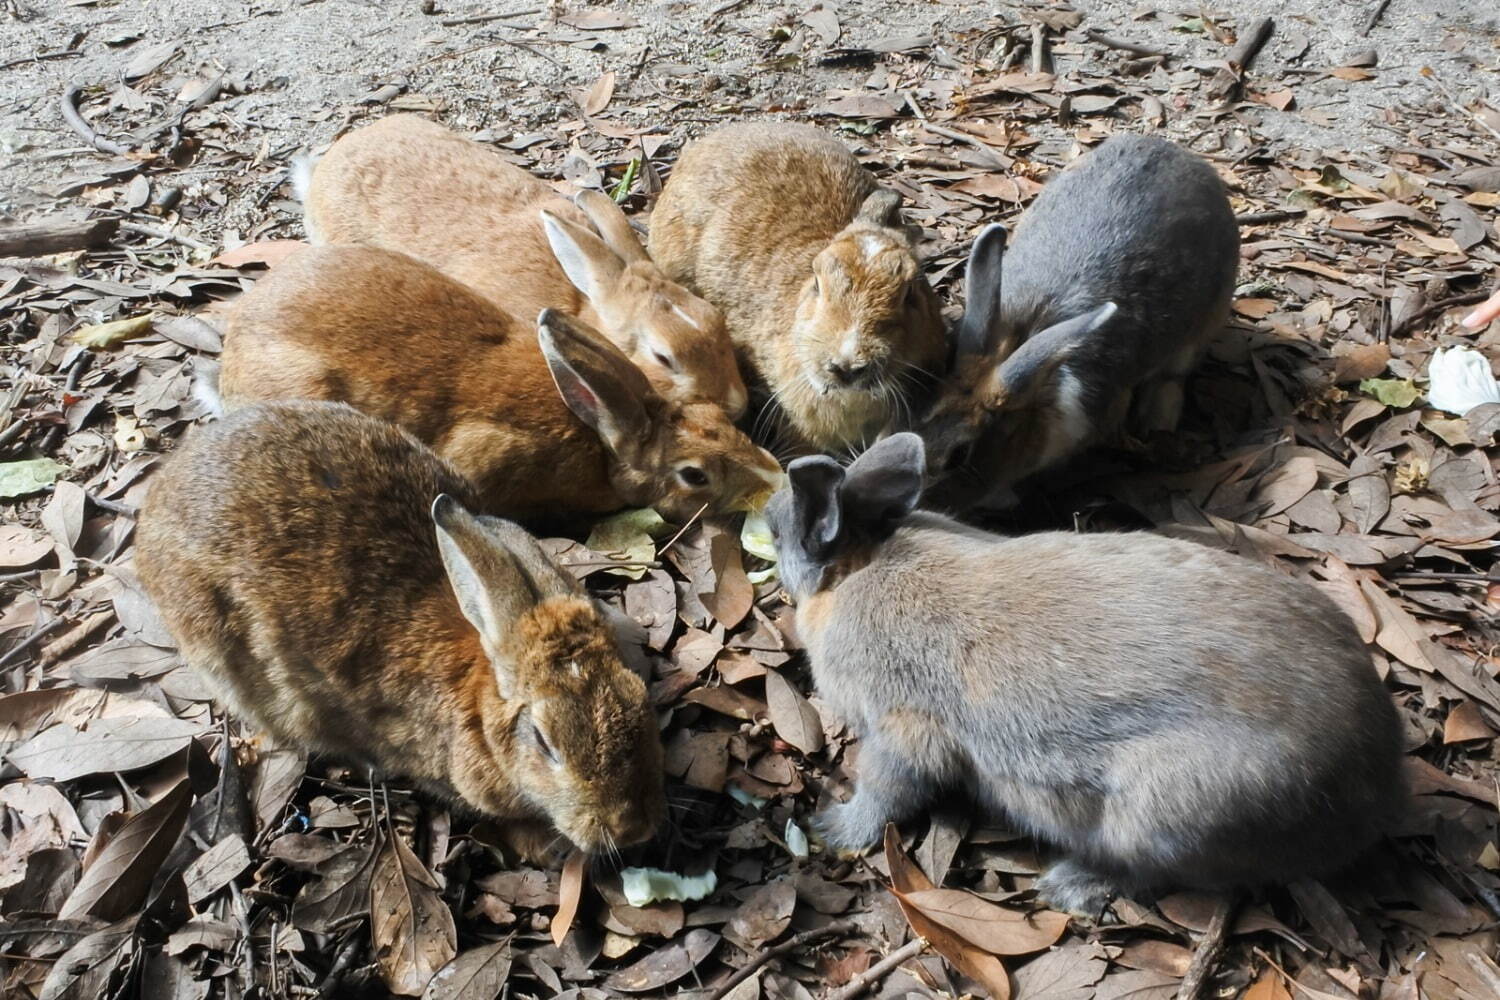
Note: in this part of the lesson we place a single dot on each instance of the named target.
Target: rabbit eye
(692, 476)
(543, 745)
(665, 360)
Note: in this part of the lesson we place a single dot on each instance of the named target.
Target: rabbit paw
(1071, 888)
(848, 829)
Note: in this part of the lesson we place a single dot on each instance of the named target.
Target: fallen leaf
(266, 253)
(1399, 393)
(628, 537)
(596, 98)
(411, 928)
(149, 59)
(117, 880)
(1062, 974)
(599, 20)
(21, 546)
(477, 974)
(973, 962)
(85, 969)
(569, 894)
(996, 929)
(665, 965)
(62, 753)
(855, 106)
(731, 596)
(1465, 722)
(102, 335)
(764, 915)
(20, 478)
(794, 717)
(122, 660)
(215, 868)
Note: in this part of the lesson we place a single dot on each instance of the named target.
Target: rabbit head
(827, 520)
(584, 741)
(676, 457)
(1002, 416)
(867, 322)
(676, 338)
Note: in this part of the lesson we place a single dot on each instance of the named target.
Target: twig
(75, 372)
(19, 577)
(1271, 215)
(612, 563)
(1458, 105)
(1119, 43)
(142, 229)
(1466, 299)
(77, 124)
(31, 640)
(1361, 238)
(681, 531)
(341, 963)
(1039, 56)
(454, 22)
(123, 509)
(42, 57)
(880, 969)
(1241, 56)
(840, 929)
(991, 157)
(1374, 17)
(75, 637)
(12, 432)
(46, 237)
(1210, 947)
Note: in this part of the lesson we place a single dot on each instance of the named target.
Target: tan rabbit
(322, 569)
(570, 427)
(408, 184)
(780, 227)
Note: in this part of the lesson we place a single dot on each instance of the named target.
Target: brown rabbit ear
(589, 263)
(493, 588)
(599, 383)
(612, 225)
(881, 208)
(1028, 373)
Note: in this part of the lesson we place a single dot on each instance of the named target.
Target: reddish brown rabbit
(323, 571)
(569, 428)
(408, 184)
(780, 227)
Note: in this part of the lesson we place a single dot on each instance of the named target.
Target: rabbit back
(1166, 712)
(1140, 222)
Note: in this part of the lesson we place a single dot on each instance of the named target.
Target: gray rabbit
(1118, 273)
(1162, 713)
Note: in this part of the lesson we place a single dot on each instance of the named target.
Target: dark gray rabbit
(1162, 713)
(1118, 273)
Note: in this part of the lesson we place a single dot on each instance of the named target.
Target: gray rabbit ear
(980, 324)
(1034, 366)
(816, 513)
(492, 588)
(882, 207)
(884, 484)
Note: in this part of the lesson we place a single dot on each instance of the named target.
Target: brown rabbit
(323, 571)
(780, 227)
(571, 427)
(408, 184)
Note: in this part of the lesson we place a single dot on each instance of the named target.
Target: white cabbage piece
(1459, 380)
(652, 885)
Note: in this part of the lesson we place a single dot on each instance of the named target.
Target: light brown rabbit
(408, 184)
(780, 227)
(570, 427)
(324, 572)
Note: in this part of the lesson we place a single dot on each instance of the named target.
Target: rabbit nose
(848, 372)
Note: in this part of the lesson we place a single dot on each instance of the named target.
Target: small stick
(1466, 299)
(42, 57)
(12, 432)
(75, 372)
(123, 509)
(1038, 48)
(142, 229)
(1241, 56)
(611, 563)
(842, 928)
(1273, 215)
(75, 637)
(1210, 947)
(989, 155)
(454, 22)
(681, 531)
(1374, 17)
(1119, 43)
(77, 124)
(32, 639)
(880, 969)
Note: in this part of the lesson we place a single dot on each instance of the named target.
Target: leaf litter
(142, 834)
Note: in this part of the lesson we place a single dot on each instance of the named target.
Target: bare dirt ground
(148, 848)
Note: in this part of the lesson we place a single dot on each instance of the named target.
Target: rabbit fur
(324, 572)
(1162, 713)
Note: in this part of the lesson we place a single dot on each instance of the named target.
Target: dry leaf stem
(880, 969)
(1109, 41)
(1210, 947)
(842, 928)
(77, 124)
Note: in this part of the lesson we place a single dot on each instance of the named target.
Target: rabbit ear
(612, 225)
(816, 514)
(589, 263)
(884, 484)
(1033, 367)
(492, 585)
(977, 329)
(599, 383)
(881, 208)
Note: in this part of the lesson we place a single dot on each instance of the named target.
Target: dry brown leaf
(794, 717)
(266, 253)
(411, 929)
(996, 929)
(63, 753)
(730, 595)
(973, 962)
(477, 974)
(764, 915)
(666, 965)
(1465, 722)
(21, 546)
(215, 868)
(597, 97)
(1403, 637)
(569, 895)
(1268, 987)
(117, 880)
